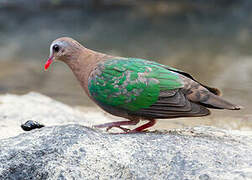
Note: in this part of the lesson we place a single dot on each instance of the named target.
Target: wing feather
(131, 84)
(180, 107)
(142, 88)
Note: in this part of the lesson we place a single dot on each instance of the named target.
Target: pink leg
(118, 124)
(143, 127)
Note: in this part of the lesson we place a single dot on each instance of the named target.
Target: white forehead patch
(59, 43)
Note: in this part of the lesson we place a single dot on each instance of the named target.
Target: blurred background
(210, 39)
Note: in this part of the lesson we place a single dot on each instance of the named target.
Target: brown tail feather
(215, 101)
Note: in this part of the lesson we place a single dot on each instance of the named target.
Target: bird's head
(63, 49)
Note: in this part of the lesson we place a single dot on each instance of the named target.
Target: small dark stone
(30, 125)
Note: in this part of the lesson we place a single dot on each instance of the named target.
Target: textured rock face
(78, 152)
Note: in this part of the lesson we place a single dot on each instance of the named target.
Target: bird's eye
(56, 48)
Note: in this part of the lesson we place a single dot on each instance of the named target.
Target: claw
(122, 128)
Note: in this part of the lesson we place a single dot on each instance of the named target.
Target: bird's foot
(118, 124)
(122, 128)
(142, 128)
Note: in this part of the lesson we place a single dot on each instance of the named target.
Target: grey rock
(64, 150)
(79, 152)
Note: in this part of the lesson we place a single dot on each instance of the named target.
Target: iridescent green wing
(131, 84)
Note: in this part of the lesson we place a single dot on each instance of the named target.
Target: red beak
(48, 62)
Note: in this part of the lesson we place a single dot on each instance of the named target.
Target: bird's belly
(113, 110)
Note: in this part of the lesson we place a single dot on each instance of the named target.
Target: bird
(136, 89)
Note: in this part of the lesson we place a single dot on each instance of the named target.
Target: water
(212, 45)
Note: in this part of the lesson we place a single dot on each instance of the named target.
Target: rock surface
(78, 152)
